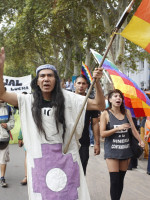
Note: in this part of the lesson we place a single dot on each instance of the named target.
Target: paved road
(136, 185)
(14, 174)
(137, 182)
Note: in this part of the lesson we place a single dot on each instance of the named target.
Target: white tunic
(51, 174)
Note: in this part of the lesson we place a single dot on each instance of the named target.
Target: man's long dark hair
(57, 100)
(122, 107)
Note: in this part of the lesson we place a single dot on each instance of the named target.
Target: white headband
(47, 66)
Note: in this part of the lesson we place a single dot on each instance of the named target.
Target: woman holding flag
(115, 129)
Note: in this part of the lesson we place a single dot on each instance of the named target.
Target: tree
(61, 32)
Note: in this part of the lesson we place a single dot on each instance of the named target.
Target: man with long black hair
(47, 118)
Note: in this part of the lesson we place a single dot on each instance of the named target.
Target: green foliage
(60, 32)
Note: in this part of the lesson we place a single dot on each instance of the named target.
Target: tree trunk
(68, 53)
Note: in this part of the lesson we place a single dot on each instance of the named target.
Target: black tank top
(117, 146)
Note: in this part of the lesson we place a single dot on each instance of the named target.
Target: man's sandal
(24, 181)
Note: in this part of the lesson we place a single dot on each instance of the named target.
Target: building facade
(142, 75)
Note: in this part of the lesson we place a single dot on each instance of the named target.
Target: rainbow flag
(86, 72)
(135, 99)
(107, 62)
(138, 29)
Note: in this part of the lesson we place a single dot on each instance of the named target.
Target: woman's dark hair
(122, 107)
(57, 100)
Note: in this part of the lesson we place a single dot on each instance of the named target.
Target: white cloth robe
(46, 178)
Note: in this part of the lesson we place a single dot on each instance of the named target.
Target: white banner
(17, 84)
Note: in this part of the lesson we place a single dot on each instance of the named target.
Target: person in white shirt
(69, 85)
(47, 119)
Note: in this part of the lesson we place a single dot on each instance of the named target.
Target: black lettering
(19, 88)
(24, 88)
(11, 82)
(17, 83)
(6, 82)
(48, 112)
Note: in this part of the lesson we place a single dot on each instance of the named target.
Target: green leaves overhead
(59, 32)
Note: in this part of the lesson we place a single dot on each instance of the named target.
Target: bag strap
(128, 117)
(9, 111)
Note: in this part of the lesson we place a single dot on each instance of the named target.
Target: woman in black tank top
(114, 126)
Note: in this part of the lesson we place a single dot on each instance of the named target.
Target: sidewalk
(142, 164)
(14, 174)
(136, 184)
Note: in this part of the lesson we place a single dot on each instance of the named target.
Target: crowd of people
(47, 119)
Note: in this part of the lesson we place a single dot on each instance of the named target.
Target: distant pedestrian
(142, 134)
(147, 139)
(106, 101)
(91, 135)
(63, 84)
(20, 143)
(69, 85)
(117, 151)
(134, 161)
(6, 124)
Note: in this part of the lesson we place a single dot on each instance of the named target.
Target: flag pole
(117, 27)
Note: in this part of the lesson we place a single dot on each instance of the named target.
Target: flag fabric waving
(135, 99)
(138, 29)
(86, 72)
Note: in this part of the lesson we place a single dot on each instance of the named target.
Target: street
(136, 185)
(14, 175)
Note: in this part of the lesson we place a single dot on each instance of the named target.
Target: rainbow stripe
(86, 72)
(135, 99)
(107, 62)
(138, 29)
